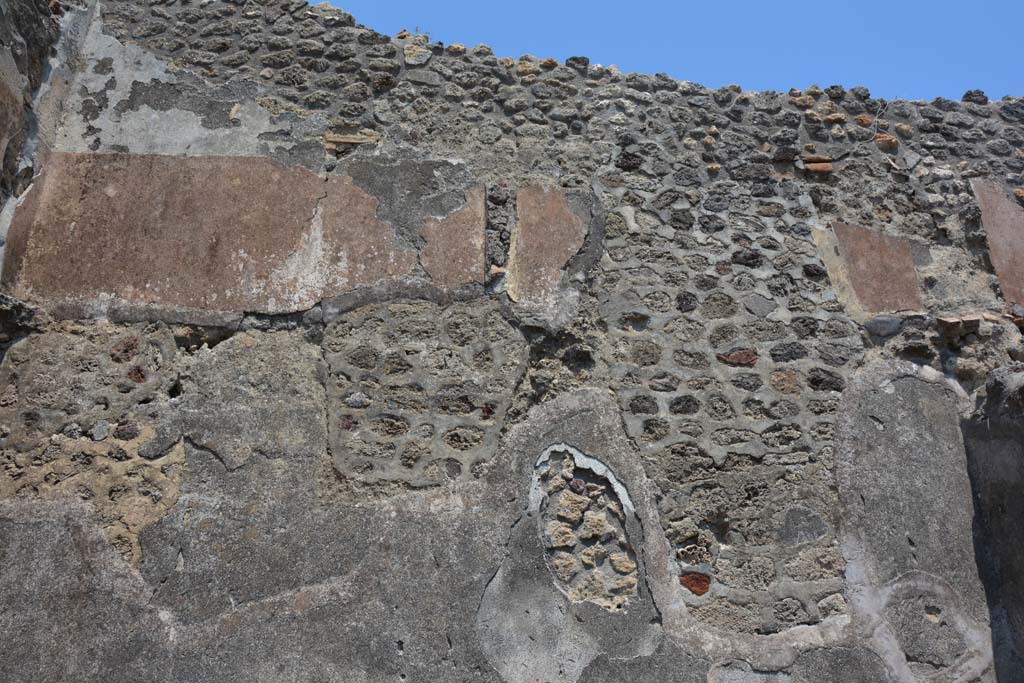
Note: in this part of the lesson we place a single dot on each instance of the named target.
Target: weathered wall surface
(28, 30)
(332, 356)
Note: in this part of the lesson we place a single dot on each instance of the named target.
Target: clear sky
(914, 49)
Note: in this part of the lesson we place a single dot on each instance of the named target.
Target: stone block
(908, 521)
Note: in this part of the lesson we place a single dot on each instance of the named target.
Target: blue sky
(915, 49)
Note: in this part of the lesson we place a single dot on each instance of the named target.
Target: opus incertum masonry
(333, 356)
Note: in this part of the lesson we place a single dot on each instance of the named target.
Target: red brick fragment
(695, 582)
(739, 358)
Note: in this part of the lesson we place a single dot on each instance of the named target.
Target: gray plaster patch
(528, 627)
(839, 665)
(899, 441)
(740, 672)
(411, 190)
(669, 664)
(148, 109)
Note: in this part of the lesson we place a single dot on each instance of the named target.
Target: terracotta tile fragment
(695, 582)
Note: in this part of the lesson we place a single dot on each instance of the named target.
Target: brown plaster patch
(1003, 219)
(546, 236)
(878, 267)
(215, 233)
(455, 249)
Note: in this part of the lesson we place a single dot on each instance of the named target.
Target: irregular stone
(566, 566)
(571, 507)
(884, 325)
(560, 535)
(739, 358)
(621, 563)
(416, 55)
(889, 143)
(759, 305)
(595, 525)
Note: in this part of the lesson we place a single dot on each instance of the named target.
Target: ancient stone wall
(334, 356)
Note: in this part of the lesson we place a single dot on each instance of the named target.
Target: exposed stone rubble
(329, 355)
(584, 531)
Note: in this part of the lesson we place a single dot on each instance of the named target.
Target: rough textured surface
(333, 356)
(908, 523)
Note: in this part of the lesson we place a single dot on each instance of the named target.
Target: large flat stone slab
(1003, 219)
(878, 268)
(219, 233)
